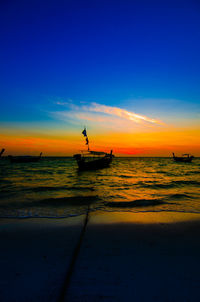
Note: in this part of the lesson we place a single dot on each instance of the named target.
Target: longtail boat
(92, 160)
(24, 159)
(185, 158)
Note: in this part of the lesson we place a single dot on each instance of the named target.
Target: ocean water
(54, 188)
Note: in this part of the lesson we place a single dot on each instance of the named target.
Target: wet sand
(123, 257)
(35, 255)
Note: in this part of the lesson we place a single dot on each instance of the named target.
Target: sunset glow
(161, 143)
(133, 84)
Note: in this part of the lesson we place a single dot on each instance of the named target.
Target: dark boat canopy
(97, 153)
(86, 152)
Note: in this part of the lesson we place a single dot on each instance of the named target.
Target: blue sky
(142, 56)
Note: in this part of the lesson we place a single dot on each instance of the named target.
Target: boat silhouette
(185, 158)
(24, 159)
(92, 160)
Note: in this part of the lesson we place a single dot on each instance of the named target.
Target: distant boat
(2, 152)
(185, 158)
(24, 159)
(92, 160)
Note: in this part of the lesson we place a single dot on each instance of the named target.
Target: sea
(54, 188)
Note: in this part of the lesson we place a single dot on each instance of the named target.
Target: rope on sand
(75, 254)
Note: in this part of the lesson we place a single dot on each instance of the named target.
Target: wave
(45, 188)
(125, 176)
(63, 201)
(167, 173)
(53, 202)
(153, 211)
(43, 172)
(180, 196)
(187, 182)
(58, 188)
(192, 172)
(172, 184)
(81, 188)
(136, 203)
(36, 216)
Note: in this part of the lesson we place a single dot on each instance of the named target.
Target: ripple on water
(54, 186)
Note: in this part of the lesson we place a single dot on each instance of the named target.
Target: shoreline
(103, 216)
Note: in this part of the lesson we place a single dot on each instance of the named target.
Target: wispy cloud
(115, 111)
(68, 104)
(98, 113)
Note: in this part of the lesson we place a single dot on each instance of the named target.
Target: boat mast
(84, 132)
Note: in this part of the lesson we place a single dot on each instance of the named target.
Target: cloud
(68, 104)
(98, 113)
(115, 111)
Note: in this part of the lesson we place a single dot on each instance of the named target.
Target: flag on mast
(84, 132)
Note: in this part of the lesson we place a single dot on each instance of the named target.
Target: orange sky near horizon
(157, 143)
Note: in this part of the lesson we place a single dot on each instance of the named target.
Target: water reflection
(54, 187)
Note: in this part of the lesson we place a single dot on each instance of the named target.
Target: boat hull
(101, 163)
(183, 160)
(23, 159)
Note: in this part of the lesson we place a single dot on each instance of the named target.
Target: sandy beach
(34, 257)
(122, 257)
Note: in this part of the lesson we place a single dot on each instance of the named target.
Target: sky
(128, 71)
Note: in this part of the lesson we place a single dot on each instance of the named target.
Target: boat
(185, 158)
(92, 160)
(24, 159)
